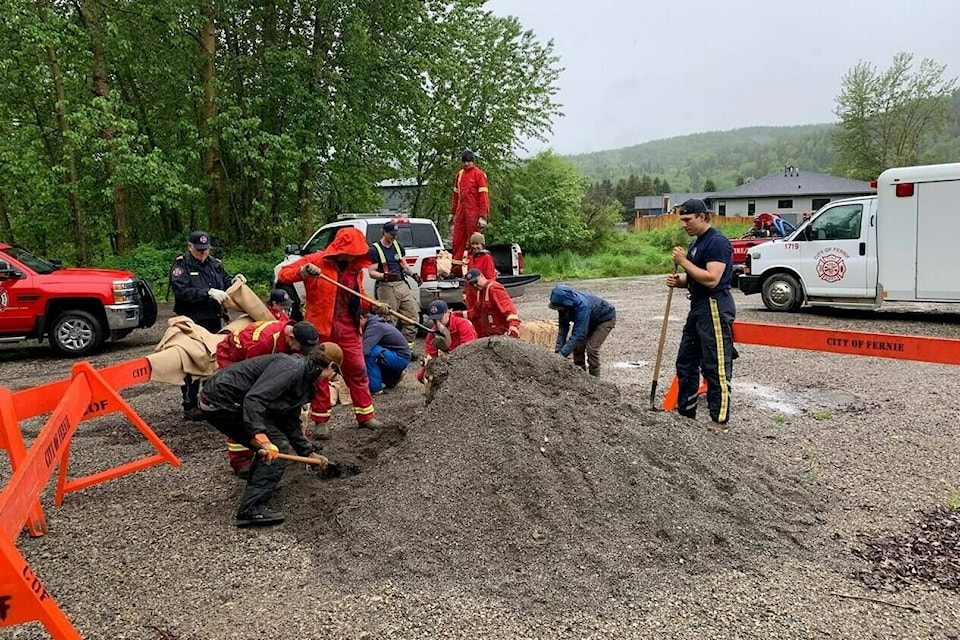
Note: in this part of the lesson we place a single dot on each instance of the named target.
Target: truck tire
(75, 333)
(782, 292)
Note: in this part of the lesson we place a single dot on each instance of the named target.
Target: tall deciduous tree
(886, 116)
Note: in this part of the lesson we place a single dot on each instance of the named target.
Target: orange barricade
(856, 343)
(670, 400)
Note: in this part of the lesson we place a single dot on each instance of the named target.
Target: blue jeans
(384, 368)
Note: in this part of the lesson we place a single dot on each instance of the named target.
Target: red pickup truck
(77, 309)
(766, 227)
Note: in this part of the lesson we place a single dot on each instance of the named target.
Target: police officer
(199, 284)
(706, 345)
(390, 272)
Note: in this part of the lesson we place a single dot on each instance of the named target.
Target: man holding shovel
(258, 402)
(707, 342)
(335, 299)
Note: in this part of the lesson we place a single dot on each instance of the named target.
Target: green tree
(885, 117)
(709, 186)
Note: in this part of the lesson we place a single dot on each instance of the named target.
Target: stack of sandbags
(542, 332)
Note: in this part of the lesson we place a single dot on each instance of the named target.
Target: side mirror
(292, 250)
(9, 273)
(56, 262)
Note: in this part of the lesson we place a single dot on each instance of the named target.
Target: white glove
(217, 294)
(483, 223)
(309, 270)
(450, 220)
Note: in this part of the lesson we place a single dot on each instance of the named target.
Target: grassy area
(627, 253)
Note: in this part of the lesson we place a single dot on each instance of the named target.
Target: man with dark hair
(469, 205)
(390, 272)
(258, 402)
(592, 319)
(199, 283)
(706, 345)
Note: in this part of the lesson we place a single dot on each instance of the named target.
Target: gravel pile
(525, 474)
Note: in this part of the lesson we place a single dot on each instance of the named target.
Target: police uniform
(707, 343)
(191, 281)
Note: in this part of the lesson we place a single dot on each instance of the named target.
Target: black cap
(472, 275)
(693, 205)
(390, 227)
(200, 240)
(281, 297)
(436, 309)
(306, 334)
(467, 155)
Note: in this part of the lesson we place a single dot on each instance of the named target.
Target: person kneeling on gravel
(450, 331)
(258, 402)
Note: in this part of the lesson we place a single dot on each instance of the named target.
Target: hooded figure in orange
(336, 315)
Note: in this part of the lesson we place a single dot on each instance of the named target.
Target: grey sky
(639, 71)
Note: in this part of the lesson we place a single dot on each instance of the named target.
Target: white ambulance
(899, 245)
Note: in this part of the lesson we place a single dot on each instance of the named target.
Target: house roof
(793, 182)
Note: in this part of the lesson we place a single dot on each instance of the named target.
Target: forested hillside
(728, 157)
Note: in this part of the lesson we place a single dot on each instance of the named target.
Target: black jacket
(266, 390)
(191, 280)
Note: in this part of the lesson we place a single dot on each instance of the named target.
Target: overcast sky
(638, 71)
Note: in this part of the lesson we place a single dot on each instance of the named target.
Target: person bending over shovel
(258, 402)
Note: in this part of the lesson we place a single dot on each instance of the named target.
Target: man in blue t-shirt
(390, 270)
(707, 343)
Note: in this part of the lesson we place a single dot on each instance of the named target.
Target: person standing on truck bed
(390, 271)
(469, 206)
(335, 313)
(706, 345)
(199, 283)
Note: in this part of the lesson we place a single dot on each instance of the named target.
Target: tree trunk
(6, 231)
(101, 87)
(69, 178)
(212, 168)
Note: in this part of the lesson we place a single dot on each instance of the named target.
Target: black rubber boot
(595, 372)
(259, 516)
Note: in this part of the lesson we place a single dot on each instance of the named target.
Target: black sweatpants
(706, 348)
(264, 478)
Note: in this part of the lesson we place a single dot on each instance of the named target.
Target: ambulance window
(839, 223)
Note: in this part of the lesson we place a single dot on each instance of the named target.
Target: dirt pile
(525, 474)
(928, 553)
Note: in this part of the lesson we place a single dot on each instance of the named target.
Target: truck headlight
(124, 291)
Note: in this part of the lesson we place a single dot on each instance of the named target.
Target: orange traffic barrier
(673, 393)
(11, 441)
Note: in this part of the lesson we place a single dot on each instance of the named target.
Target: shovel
(377, 303)
(663, 339)
(332, 471)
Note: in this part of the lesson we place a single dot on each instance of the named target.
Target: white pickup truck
(861, 252)
(421, 243)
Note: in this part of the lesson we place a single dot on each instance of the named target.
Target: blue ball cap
(436, 309)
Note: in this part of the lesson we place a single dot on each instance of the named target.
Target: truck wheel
(75, 333)
(781, 292)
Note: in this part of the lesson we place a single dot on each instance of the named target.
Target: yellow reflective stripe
(236, 446)
(363, 411)
(483, 190)
(512, 316)
(383, 258)
(321, 414)
(721, 361)
(263, 325)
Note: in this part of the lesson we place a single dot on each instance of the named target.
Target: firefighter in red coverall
(490, 308)
(452, 331)
(479, 258)
(336, 315)
(258, 339)
(469, 206)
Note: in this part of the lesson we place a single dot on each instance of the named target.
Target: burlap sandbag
(193, 348)
(241, 298)
(444, 263)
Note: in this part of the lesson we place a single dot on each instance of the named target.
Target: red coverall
(470, 202)
(461, 332)
(255, 339)
(484, 262)
(336, 315)
(491, 311)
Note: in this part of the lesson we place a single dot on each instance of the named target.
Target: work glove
(450, 220)
(319, 469)
(217, 294)
(442, 338)
(513, 331)
(309, 270)
(384, 310)
(265, 449)
(482, 223)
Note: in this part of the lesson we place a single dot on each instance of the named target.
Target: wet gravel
(450, 524)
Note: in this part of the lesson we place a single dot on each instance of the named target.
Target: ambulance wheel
(782, 292)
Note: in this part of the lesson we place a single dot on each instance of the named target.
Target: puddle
(769, 396)
(634, 364)
(797, 401)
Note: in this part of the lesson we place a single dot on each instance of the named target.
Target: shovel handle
(376, 303)
(293, 458)
(663, 339)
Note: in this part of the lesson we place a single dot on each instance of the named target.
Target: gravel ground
(529, 500)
